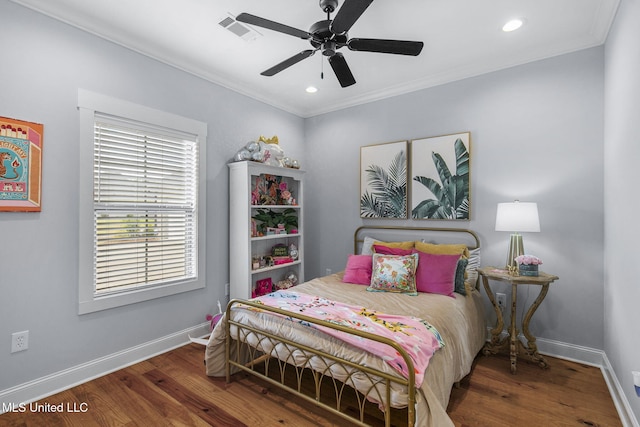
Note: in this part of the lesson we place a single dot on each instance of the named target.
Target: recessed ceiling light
(311, 89)
(512, 25)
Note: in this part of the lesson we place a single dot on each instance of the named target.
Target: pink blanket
(416, 336)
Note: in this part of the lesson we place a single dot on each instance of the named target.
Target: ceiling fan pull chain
(321, 68)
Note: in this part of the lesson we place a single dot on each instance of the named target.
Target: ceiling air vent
(239, 29)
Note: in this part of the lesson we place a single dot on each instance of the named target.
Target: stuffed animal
(214, 319)
(265, 150)
(272, 154)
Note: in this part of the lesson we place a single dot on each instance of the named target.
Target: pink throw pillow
(436, 273)
(358, 269)
(385, 250)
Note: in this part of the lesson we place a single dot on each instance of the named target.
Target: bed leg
(456, 384)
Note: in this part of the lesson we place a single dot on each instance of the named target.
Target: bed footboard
(260, 352)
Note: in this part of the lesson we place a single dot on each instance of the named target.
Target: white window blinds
(145, 205)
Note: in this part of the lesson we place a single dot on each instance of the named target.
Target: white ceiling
(462, 38)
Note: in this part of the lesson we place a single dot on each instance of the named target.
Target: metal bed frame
(255, 361)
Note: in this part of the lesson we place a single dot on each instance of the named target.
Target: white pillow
(367, 246)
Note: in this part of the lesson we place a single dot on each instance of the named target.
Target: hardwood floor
(565, 394)
(172, 390)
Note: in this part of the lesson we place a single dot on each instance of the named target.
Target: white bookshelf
(242, 244)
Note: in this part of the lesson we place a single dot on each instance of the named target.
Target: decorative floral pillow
(394, 273)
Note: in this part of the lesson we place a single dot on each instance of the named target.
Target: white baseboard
(598, 358)
(619, 397)
(63, 380)
(575, 353)
(592, 357)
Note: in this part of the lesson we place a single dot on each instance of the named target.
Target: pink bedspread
(416, 336)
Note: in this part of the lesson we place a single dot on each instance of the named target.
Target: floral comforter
(416, 336)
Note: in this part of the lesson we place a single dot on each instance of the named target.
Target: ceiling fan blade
(398, 47)
(288, 62)
(271, 25)
(340, 67)
(348, 15)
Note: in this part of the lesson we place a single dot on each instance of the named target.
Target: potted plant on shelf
(285, 219)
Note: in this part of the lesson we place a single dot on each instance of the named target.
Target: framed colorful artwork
(383, 180)
(440, 183)
(20, 165)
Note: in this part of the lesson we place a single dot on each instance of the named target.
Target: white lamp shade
(517, 217)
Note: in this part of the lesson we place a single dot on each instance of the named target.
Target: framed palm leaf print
(440, 182)
(383, 180)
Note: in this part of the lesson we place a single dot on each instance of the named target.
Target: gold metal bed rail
(287, 352)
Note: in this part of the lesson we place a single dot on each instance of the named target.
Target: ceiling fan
(330, 35)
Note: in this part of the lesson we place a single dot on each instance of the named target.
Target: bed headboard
(427, 234)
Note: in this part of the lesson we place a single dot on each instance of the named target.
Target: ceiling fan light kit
(330, 35)
(329, 6)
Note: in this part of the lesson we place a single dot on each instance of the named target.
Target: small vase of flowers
(528, 265)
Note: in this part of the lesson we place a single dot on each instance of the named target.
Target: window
(141, 180)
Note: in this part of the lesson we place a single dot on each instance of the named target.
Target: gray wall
(45, 64)
(537, 135)
(622, 152)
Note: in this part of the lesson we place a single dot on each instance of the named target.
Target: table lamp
(517, 217)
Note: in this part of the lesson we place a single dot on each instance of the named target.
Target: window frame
(89, 104)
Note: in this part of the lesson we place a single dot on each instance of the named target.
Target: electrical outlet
(19, 341)
(501, 299)
(327, 271)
